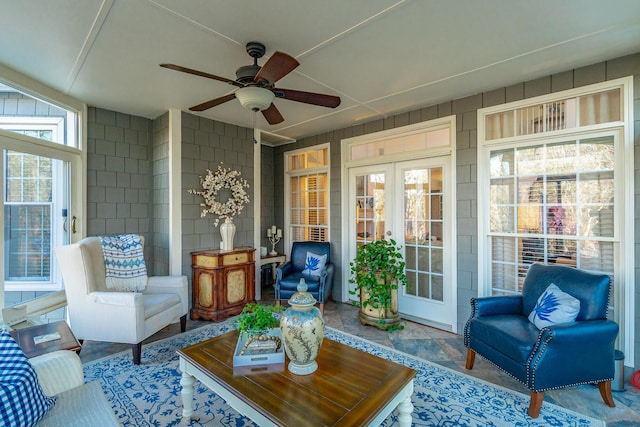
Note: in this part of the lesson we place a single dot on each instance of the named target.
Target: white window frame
(288, 174)
(624, 232)
(74, 154)
(54, 124)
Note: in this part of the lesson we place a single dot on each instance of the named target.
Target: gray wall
(160, 172)
(128, 180)
(119, 177)
(206, 143)
(465, 110)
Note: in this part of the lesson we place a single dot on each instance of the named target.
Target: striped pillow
(22, 401)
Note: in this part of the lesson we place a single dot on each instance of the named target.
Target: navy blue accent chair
(553, 357)
(289, 274)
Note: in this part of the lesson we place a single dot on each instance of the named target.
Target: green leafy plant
(256, 319)
(377, 270)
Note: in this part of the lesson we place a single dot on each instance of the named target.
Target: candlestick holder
(274, 235)
(274, 241)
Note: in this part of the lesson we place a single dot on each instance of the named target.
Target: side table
(27, 338)
(275, 261)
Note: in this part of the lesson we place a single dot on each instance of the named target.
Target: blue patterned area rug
(149, 394)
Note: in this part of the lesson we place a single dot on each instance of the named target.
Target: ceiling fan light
(255, 98)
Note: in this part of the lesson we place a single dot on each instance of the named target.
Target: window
(307, 176)
(551, 203)
(555, 175)
(38, 118)
(40, 173)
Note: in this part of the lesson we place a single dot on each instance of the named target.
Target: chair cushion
(292, 280)
(157, 303)
(511, 335)
(82, 406)
(553, 307)
(22, 401)
(124, 262)
(314, 264)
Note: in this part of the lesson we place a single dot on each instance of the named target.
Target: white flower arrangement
(212, 183)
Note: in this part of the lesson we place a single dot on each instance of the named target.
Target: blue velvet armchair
(556, 356)
(289, 274)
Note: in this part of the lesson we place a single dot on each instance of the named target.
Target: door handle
(388, 232)
(73, 225)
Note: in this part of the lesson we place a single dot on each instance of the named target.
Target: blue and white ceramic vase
(302, 330)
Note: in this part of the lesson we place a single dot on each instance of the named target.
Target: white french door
(424, 203)
(37, 211)
(410, 202)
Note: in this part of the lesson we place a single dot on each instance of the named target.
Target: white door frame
(439, 150)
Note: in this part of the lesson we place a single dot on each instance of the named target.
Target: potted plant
(255, 324)
(377, 272)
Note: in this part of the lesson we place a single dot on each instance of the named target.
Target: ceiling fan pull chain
(254, 127)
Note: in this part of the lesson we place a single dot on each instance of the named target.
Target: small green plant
(377, 270)
(256, 319)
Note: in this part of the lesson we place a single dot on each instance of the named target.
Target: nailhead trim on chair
(546, 389)
(531, 380)
(474, 314)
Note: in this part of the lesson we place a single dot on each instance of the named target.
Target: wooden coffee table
(350, 387)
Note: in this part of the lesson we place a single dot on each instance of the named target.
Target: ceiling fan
(256, 85)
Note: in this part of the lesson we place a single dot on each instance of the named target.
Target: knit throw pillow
(22, 401)
(554, 306)
(314, 264)
(124, 262)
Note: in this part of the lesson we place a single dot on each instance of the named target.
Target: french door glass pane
(28, 207)
(370, 208)
(28, 242)
(423, 222)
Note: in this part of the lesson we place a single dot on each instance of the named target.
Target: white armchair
(100, 314)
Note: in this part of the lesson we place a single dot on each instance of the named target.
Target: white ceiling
(381, 57)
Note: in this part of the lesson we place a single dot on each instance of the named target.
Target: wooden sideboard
(222, 282)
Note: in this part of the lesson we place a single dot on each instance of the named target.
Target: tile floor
(440, 347)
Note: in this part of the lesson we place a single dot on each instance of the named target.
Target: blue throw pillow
(554, 306)
(314, 264)
(22, 401)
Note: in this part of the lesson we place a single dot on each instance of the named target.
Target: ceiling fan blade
(279, 65)
(308, 97)
(201, 74)
(213, 102)
(272, 115)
